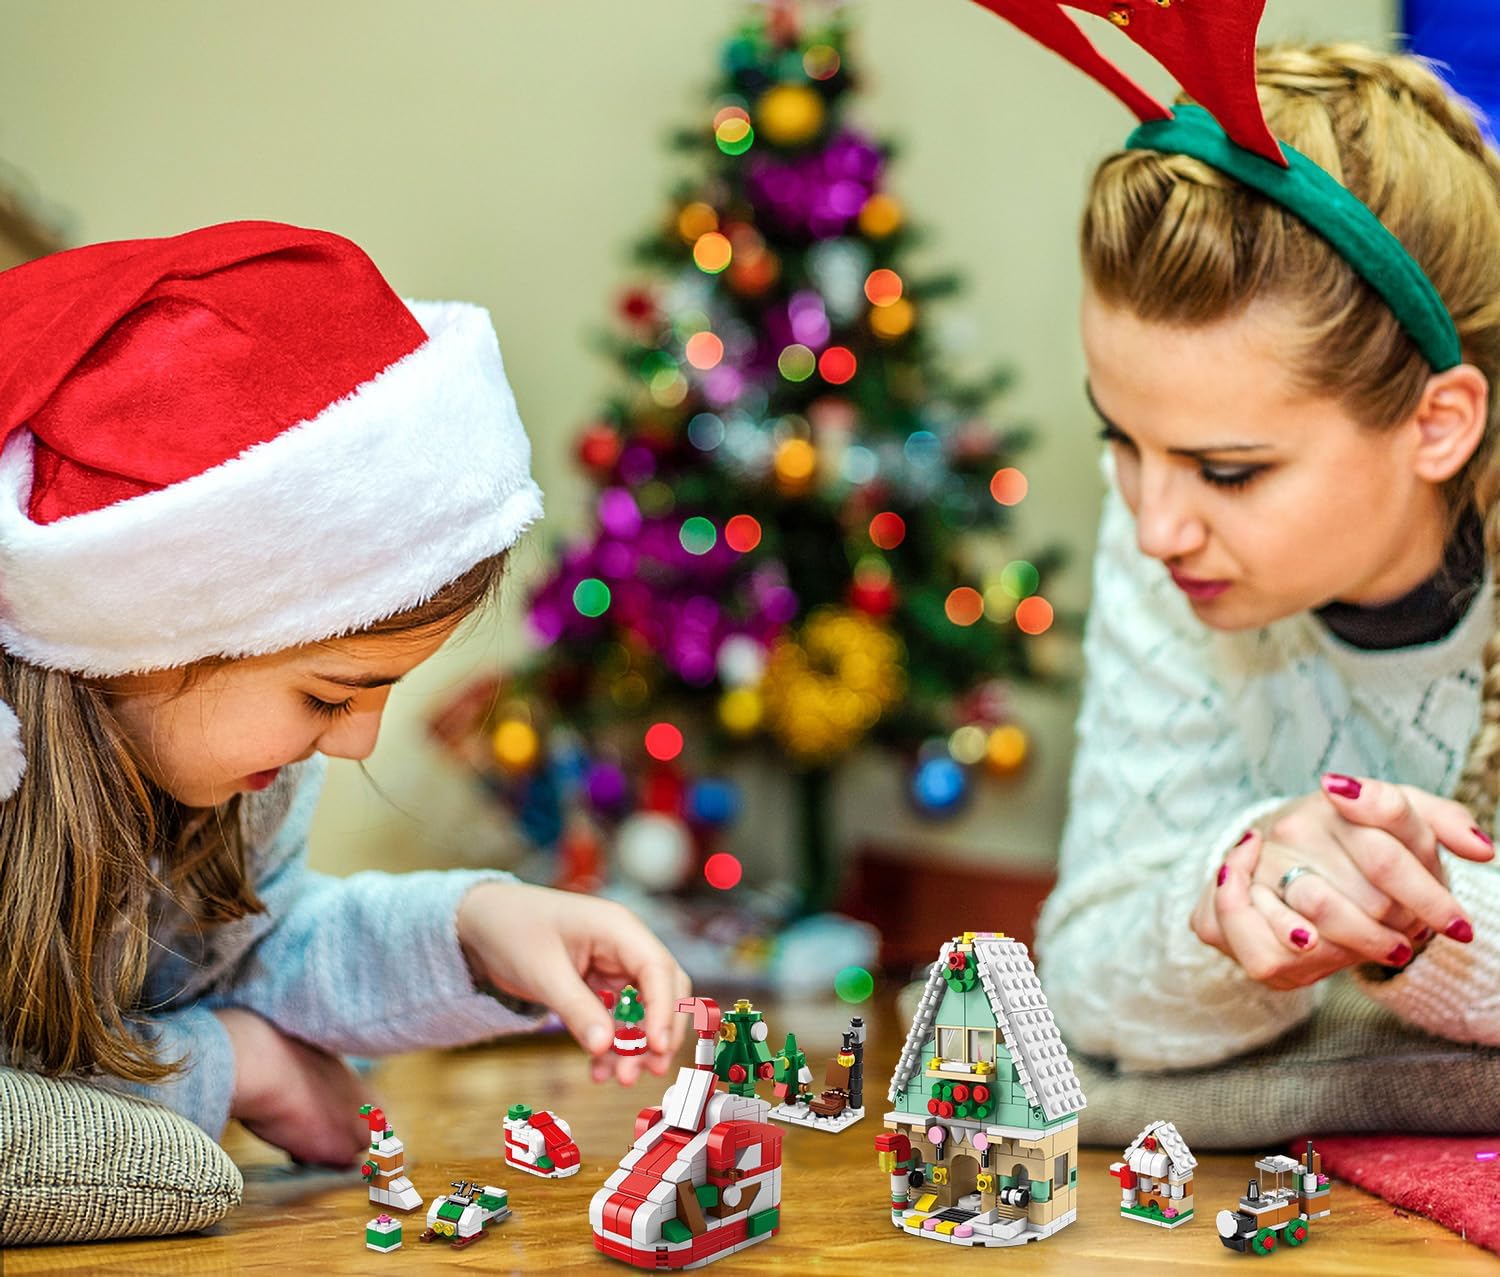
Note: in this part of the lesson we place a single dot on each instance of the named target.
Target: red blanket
(1455, 1181)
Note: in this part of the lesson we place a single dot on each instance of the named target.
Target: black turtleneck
(1429, 612)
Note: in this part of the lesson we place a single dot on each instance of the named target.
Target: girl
(244, 490)
(1289, 743)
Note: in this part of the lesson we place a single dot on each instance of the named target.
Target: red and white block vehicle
(539, 1143)
(703, 1178)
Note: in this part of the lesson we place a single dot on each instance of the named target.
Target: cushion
(79, 1163)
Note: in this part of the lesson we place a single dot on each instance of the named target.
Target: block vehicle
(462, 1216)
(1269, 1217)
(703, 1178)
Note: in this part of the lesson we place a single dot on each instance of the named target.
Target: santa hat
(236, 441)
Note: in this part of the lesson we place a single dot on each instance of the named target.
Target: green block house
(985, 1104)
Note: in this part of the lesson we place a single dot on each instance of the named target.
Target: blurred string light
(698, 535)
(794, 464)
(964, 605)
(837, 365)
(883, 287)
(706, 431)
(820, 62)
(893, 321)
(887, 530)
(923, 448)
(1020, 579)
(1006, 750)
(722, 870)
(591, 597)
(968, 744)
(704, 350)
(734, 136)
(741, 710)
(696, 220)
(1034, 615)
(853, 984)
(860, 465)
(1008, 486)
(515, 745)
(663, 742)
(742, 533)
(796, 362)
(733, 109)
(712, 252)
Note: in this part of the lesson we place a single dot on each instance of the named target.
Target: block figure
(539, 1143)
(981, 1143)
(463, 1216)
(1268, 1217)
(842, 1101)
(383, 1233)
(1156, 1177)
(630, 1038)
(742, 1058)
(703, 1178)
(385, 1165)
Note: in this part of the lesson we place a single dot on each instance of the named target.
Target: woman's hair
(1172, 240)
(88, 840)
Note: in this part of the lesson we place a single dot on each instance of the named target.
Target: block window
(950, 1044)
(981, 1046)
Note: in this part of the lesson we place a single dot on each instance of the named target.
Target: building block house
(981, 1141)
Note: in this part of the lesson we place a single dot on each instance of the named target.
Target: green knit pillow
(79, 1163)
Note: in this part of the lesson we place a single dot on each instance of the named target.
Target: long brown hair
(1173, 240)
(88, 839)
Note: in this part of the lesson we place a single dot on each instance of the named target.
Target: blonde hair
(88, 840)
(1173, 240)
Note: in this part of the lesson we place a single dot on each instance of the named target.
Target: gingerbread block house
(1156, 1177)
(981, 1142)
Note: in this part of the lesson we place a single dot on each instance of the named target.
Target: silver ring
(1289, 877)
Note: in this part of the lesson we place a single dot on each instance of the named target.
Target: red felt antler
(1207, 45)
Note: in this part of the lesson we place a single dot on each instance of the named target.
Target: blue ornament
(713, 802)
(539, 809)
(939, 786)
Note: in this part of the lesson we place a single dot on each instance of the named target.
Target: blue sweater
(368, 964)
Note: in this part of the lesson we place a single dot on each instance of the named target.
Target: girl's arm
(202, 1090)
(1161, 789)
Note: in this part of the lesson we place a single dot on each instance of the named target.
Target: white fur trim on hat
(363, 511)
(12, 753)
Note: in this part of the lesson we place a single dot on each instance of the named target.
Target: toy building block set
(384, 1166)
(1267, 1217)
(982, 1141)
(841, 1103)
(703, 1177)
(630, 1038)
(539, 1143)
(462, 1216)
(1156, 1177)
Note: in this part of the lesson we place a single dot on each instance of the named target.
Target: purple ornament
(618, 513)
(606, 787)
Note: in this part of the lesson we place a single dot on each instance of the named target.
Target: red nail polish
(1341, 786)
(1223, 874)
(1460, 930)
(1300, 938)
(1245, 837)
(1399, 956)
(1481, 835)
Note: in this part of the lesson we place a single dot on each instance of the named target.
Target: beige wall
(508, 152)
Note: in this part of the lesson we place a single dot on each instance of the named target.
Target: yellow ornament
(741, 710)
(515, 745)
(795, 463)
(789, 114)
(1007, 750)
(880, 216)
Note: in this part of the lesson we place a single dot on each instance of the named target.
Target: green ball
(854, 984)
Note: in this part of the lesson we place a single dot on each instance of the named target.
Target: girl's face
(1261, 500)
(237, 725)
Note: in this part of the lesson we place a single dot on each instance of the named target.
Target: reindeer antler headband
(1209, 47)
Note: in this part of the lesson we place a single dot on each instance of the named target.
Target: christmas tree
(800, 530)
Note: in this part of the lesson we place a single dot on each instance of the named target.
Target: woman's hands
(558, 948)
(1376, 887)
(293, 1095)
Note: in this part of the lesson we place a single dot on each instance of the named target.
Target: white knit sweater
(1187, 736)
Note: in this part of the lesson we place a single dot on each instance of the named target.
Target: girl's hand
(293, 1095)
(558, 948)
(1375, 890)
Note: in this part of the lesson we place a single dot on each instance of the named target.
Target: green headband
(1329, 208)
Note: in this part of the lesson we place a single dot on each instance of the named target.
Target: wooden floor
(447, 1107)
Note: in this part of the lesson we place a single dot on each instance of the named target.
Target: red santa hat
(236, 441)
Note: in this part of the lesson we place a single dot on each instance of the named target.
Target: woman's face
(1261, 500)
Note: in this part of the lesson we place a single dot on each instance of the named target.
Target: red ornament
(875, 597)
(599, 448)
(638, 306)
